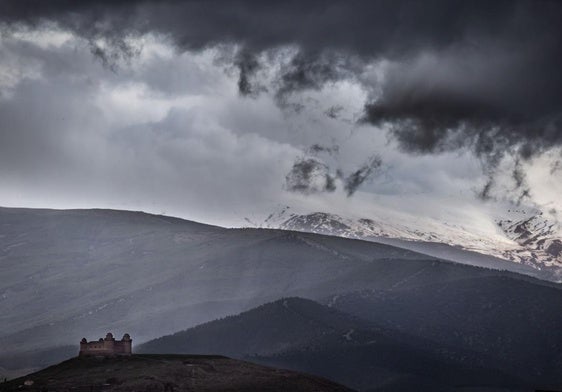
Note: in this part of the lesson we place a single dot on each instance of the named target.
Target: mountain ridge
(538, 254)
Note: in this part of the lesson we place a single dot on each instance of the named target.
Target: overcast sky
(220, 110)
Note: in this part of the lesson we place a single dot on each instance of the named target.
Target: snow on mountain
(538, 238)
(523, 236)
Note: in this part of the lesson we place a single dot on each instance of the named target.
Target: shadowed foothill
(166, 373)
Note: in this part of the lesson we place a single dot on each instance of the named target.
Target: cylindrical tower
(127, 344)
(109, 343)
(83, 346)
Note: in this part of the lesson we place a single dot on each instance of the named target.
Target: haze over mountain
(75, 273)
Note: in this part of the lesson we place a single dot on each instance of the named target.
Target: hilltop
(167, 373)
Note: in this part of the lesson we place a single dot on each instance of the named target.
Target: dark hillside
(167, 373)
(303, 335)
(516, 322)
(269, 328)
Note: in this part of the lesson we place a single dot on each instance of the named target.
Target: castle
(107, 347)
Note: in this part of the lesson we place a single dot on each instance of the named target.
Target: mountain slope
(539, 239)
(303, 335)
(515, 322)
(267, 329)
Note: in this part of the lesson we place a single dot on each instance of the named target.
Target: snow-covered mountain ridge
(523, 236)
(537, 237)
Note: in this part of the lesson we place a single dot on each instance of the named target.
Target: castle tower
(127, 343)
(109, 343)
(83, 345)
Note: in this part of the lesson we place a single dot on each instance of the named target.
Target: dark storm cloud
(358, 26)
(308, 71)
(503, 94)
(517, 109)
(494, 85)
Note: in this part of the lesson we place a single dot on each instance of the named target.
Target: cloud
(555, 167)
(309, 176)
(367, 28)
(111, 54)
(358, 177)
(249, 65)
(504, 95)
(334, 111)
(316, 149)
(308, 71)
(451, 77)
(492, 80)
(155, 135)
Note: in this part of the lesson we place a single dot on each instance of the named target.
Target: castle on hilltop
(108, 346)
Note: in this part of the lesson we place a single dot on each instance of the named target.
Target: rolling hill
(303, 335)
(267, 329)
